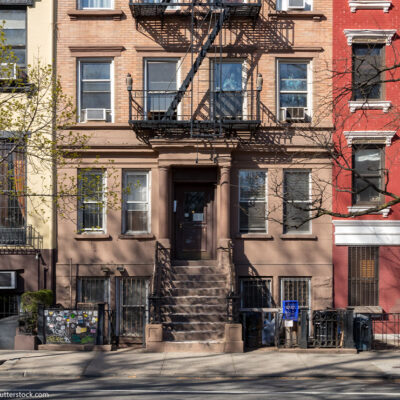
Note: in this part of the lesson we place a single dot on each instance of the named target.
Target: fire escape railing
(20, 240)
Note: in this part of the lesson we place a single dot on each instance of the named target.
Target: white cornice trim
(379, 34)
(370, 5)
(377, 136)
(367, 233)
(370, 105)
(385, 212)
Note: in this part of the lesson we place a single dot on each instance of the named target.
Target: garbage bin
(362, 332)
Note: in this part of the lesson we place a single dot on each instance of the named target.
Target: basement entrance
(194, 232)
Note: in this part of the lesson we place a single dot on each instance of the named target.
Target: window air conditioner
(95, 114)
(8, 280)
(8, 71)
(293, 114)
(296, 4)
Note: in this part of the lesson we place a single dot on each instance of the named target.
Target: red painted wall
(389, 263)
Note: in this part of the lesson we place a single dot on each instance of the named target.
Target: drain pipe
(70, 282)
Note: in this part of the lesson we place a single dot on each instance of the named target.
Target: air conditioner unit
(8, 280)
(293, 114)
(8, 71)
(296, 4)
(94, 114)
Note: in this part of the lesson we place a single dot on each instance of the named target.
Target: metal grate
(255, 292)
(93, 290)
(363, 276)
(8, 305)
(133, 310)
(296, 289)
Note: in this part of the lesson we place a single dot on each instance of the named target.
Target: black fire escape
(220, 112)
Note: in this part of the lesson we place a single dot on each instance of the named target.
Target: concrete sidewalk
(139, 364)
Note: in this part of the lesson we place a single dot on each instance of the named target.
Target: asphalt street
(200, 388)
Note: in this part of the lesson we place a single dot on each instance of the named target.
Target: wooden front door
(194, 233)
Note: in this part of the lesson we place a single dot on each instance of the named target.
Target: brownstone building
(193, 112)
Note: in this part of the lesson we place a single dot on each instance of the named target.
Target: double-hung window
(368, 60)
(160, 87)
(368, 171)
(253, 201)
(294, 5)
(95, 90)
(91, 201)
(95, 4)
(12, 193)
(363, 276)
(136, 207)
(294, 91)
(297, 201)
(14, 29)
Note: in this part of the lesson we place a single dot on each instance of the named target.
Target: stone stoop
(194, 313)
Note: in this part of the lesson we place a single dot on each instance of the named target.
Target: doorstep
(77, 347)
(298, 350)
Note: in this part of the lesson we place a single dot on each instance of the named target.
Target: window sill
(143, 236)
(298, 236)
(296, 15)
(370, 105)
(254, 236)
(366, 309)
(92, 236)
(116, 15)
(385, 212)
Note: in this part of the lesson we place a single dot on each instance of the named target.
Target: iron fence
(8, 305)
(328, 328)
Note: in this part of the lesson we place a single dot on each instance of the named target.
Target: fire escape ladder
(196, 65)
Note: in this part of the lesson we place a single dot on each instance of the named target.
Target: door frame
(213, 187)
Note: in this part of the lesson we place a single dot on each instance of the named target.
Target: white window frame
(309, 108)
(265, 201)
(309, 171)
(102, 229)
(178, 62)
(79, 84)
(13, 279)
(282, 5)
(125, 174)
(96, 8)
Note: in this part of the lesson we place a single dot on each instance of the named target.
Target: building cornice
(385, 35)
(369, 136)
(370, 5)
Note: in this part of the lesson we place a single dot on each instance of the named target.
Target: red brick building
(366, 249)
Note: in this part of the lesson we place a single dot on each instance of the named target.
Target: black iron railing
(211, 112)
(26, 237)
(233, 297)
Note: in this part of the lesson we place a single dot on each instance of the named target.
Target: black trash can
(362, 332)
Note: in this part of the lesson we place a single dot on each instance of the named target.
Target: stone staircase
(194, 307)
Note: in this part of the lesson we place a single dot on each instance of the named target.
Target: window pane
(136, 220)
(294, 85)
(15, 37)
(136, 189)
(368, 161)
(295, 217)
(230, 74)
(93, 290)
(159, 101)
(20, 55)
(95, 70)
(365, 193)
(92, 216)
(95, 3)
(253, 216)
(96, 100)
(252, 185)
(161, 75)
(293, 100)
(14, 19)
(88, 87)
(292, 71)
(297, 186)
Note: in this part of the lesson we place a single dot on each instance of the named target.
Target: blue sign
(290, 310)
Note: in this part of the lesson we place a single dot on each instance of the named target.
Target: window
(296, 289)
(95, 4)
(12, 193)
(255, 292)
(95, 78)
(367, 170)
(160, 87)
(136, 207)
(294, 5)
(91, 201)
(253, 201)
(368, 60)
(228, 90)
(363, 276)
(93, 290)
(297, 201)
(15, 32)
(294, 90)
(9, 305)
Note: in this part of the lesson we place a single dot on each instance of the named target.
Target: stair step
(194, 309)
(193, 300)
(195, 318)
(195, 346)
(194, 326)
(177, 292)
(193, 335)
(212, 284)
(188, 263)
(195, 270)
(199, 277)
